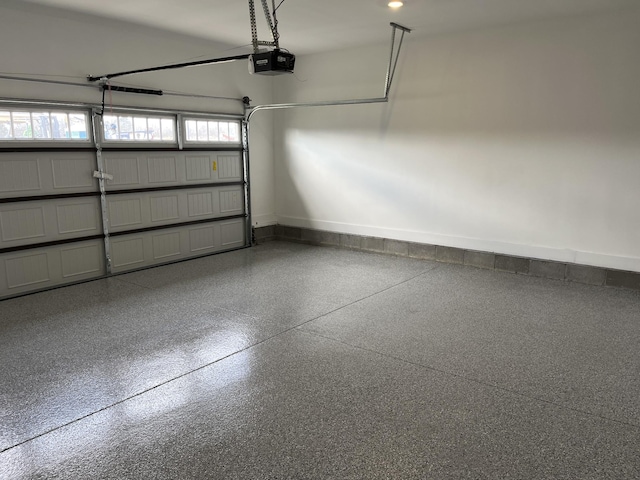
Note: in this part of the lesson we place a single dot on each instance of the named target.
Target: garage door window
(203, 130)
(31, 125)
(139, 128)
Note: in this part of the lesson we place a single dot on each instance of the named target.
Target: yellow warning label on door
(215, 166)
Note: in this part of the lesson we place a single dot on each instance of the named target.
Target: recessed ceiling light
(395, 4)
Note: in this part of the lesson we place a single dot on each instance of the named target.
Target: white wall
(66, 46)
(522, 140)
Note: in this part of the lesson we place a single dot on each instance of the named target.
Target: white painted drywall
(522, 140)
(60, 45)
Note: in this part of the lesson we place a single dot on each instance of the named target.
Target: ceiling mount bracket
(272, 22)
(391, 70)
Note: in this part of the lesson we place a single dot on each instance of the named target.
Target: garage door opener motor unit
(272, 62)
(275, 62)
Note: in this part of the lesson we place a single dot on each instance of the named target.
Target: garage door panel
(19, 175)
(132, 170)
(125, 213)
(26, 270)
(28, 174)
(204, 238)
(82, 260)
(46, 267)
(166, 245)
(128, 252)
(232, 234)
(199, 168)
(231, 201)
(22, 224)
(140, 250)
(166, 208)
(27, 223)
(202, 204)
(161, 170)
(131, 211)
(229, 167)
(73, 173)
(78, 217)
(125, 171)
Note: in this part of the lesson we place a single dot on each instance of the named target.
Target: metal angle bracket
(391, 69)
(102, 175)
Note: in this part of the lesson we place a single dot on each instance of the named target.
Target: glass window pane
(140, 128)
(5, 125)
(41, 125)
(168, 130)
(234, 132)
(60, 125)
(192, 133)
(224, 131)
(213, 131)
(110, 124)
(78, 126)
(125, 125)
(203, 131)
(22, 125)
(154, 133)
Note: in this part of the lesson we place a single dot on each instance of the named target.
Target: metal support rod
(328, 103)
(395, 64)
(387, 80)
(145, 91)
(113, 88)
(54, 104)
(43, 80)
(174, 66)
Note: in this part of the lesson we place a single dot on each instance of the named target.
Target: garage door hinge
(102, 175)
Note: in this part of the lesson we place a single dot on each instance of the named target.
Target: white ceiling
(308, 26)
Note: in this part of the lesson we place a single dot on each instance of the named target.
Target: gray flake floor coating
(293, 361)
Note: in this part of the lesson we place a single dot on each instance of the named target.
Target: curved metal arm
(391, 69)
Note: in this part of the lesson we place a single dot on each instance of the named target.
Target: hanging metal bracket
(392, 70)
(272, 21)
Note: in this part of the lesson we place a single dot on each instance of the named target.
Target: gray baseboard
(534, 267)
(263, 234)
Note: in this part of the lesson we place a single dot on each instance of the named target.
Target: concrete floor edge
(535, 267)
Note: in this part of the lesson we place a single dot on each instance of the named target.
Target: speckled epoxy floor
(293, 361)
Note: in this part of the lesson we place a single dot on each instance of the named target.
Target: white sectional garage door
(143, 193)
(151, 190)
